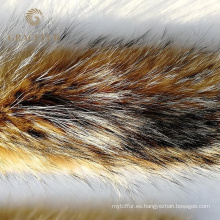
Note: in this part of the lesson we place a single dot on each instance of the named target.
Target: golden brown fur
(85, 214)
(108, 108)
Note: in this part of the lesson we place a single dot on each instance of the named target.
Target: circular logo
(34, 17)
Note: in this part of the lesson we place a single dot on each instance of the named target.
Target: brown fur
(90, 214)
(74, 109)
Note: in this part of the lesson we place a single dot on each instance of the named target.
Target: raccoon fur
(107, 107)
